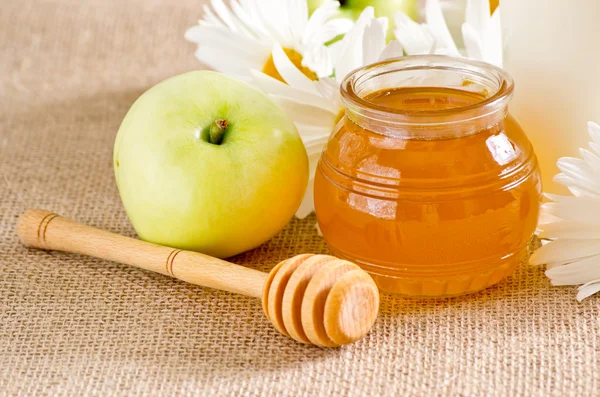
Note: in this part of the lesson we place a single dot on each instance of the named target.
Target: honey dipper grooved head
(321, 299)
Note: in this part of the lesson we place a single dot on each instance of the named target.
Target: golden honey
(427, 182)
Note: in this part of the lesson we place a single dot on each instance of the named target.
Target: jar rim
(489, 105)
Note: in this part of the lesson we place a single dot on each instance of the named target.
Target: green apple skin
(180, 190)
(383, 8)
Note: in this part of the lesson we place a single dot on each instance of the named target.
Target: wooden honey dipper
(316, 299)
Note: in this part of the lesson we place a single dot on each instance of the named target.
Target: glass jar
(427, 182)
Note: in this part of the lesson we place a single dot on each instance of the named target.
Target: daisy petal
(373, 43)
(565, 250)
(482, 33)
(298, 12)
(595, 148)
(545, 219)
(588, 289)
(222, 61)
(576, 187)
(308, 204)
(321, 15)
(586, 211)
(275, 87)
(552, 265)
(307, 114)
(437, 24)
(289, 72)
(251, 28)
(472, 41)
(310, 133)
(226, 41)
(592, 160)
(591, 203)
(319, 61)
(578, 272)
(329, 31)
(350, 48)
(493, 50)
(594, 131)
(314, 145)
(247, 12)
(392, 50)
(328, 88)
(314, 156)
(415, 38)
(477, 14)
(211, 18)
(578, 170)
(273, 15)
(561, 199)
(384, 23)
(570, 230)
(224, 14)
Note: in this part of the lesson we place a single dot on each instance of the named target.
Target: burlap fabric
(72, 325)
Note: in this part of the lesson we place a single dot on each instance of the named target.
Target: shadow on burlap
(72, 325)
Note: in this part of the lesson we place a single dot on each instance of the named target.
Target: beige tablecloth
(71, 325)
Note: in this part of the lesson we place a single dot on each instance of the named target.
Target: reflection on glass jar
(427, 182)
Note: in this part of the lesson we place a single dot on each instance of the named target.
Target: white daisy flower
(315, 106)
(572, 223)
(239, 38)
(482, 33)
(454, 14)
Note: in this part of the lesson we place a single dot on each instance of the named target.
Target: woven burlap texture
(72, 325)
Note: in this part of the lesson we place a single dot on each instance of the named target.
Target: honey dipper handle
(46, 230)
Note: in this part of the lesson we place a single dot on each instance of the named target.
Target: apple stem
(217, 130)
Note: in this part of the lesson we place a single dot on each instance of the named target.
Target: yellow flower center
(270, 69)
(494, 5)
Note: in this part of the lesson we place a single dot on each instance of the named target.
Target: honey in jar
(427, 182)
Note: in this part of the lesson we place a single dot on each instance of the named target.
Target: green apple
(208, 163)
(383, 8)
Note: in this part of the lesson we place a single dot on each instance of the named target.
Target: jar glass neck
(492, 85)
